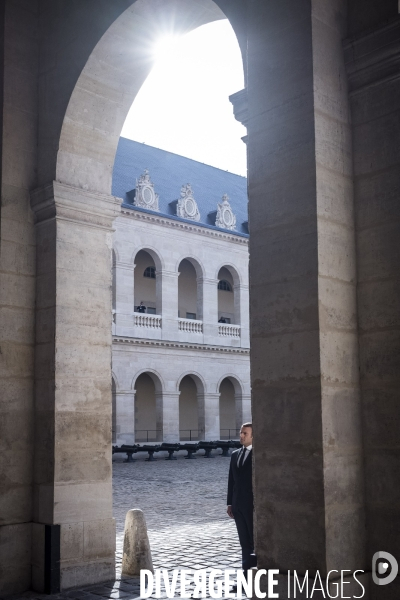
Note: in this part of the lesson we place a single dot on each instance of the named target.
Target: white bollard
(136, 553)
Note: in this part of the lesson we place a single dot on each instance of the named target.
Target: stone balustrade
(146, 320)
(228, 330)
(190, 325)
(145, 325)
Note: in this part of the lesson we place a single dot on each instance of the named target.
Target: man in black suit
(141, 308)
(240, 495)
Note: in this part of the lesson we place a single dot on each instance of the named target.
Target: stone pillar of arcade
(309, 485)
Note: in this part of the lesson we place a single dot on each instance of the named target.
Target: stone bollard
(136, 553)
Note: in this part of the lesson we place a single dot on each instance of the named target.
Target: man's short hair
(247, 425)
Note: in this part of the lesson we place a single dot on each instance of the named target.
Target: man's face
(246, 436)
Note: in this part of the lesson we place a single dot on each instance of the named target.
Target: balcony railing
(145, 320)
(229, 434)
(188, 435)
(148, 435)
(190, 325)
(227, 330)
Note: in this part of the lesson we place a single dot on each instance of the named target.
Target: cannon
(150, 449)
(225, 446)
(128, 450)
(170, 448)
(207, 447)
(191, 449)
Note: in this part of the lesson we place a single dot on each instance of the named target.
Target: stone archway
(75, 215)
(109, 82)
(305, 374)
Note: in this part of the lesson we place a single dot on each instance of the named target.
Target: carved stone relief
(145, 196)
(187, 205)
(225, 217)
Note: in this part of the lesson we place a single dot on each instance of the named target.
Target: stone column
(167, 415)
(167, 290)
(125, 406)
(124, 301)
(209, 299)
(374, 97)
(72, 507)
(304, 353)
(208, 406)
(241, 299)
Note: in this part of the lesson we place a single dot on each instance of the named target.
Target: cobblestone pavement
(184, 503)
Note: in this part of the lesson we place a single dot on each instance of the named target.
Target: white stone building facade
(181, 370)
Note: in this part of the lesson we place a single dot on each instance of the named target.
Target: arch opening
(145, 409)
(146, 296)
(114, 78)
(188, 409)
(82, 169)
(189, 290)
(227, 410)
(228, 301)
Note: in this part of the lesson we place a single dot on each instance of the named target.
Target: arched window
(150, 272)
(224, 285)
(189, 297)
(226, 301)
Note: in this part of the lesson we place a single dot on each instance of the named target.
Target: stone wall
(168, 364)
(188, 261)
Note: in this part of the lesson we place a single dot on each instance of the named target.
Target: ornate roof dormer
(187, 205)
(225, 217)
(145, 196)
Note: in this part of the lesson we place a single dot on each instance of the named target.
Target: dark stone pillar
(304, 348)
(373, 63)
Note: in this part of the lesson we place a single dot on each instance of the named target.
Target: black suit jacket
(240, 483)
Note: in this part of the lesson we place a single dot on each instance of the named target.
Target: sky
(183, 105)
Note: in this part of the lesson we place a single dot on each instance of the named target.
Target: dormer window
(224, 285)
(150, 272)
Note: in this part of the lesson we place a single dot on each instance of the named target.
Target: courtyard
(184, 503)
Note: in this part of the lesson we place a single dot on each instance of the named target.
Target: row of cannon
(171, 448)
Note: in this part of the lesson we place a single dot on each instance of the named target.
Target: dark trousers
(244, 526)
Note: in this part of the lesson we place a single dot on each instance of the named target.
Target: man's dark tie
(241, 460)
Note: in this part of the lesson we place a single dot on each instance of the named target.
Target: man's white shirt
(247, 452)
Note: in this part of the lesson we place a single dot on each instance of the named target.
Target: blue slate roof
(169, 172)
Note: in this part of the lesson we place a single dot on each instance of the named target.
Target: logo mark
(384, 568)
